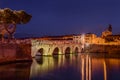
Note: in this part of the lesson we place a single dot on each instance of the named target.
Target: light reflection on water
(70, 67)
(76, 67)
(17, 71)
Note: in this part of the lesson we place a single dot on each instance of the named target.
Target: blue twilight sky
(59, 17)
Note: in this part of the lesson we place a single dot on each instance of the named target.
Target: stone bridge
(54, 47)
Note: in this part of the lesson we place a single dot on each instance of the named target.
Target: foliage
(15, 17)
(9, 18)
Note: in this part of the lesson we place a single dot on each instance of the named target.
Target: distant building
(112, 38)
(109, 38)
(99, 40)
(94, 39)
(90, 37)
(107, 32)
(77, 38)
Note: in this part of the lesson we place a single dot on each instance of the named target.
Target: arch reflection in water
(80, 67)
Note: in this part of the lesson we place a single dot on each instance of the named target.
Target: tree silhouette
(10, 18)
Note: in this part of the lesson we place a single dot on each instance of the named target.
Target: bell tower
(110, 28)
(107, 32)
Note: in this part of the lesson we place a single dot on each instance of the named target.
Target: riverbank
(100, 48)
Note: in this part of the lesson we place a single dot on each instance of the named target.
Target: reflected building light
(105, 71)
(87, 68)
(90, 65)
(83, 68)
(42, 68)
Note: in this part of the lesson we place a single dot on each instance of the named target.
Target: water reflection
(18, 71)
(64, 67)
(77, 67)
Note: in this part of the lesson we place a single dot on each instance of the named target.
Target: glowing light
(83, 40)
(87, 44)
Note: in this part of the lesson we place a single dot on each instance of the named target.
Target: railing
(55, 42)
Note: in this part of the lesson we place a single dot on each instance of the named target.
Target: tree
(10, 18)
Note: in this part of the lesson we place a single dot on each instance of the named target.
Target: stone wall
(95, 48)
(14, 52)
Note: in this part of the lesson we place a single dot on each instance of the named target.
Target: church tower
(107, 32)
(110, 28)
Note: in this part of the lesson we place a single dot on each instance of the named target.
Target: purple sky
(58, 17)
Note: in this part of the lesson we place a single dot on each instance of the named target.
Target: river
(69, 67)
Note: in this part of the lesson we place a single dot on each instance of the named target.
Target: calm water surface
(70, 67)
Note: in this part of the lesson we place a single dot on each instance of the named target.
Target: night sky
(60, 17)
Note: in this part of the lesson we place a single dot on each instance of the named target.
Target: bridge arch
(67, 50)
(55, 51)
(40, 52)
(76, 50)
(46, 47)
